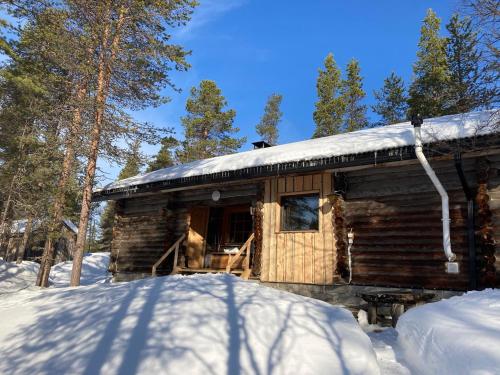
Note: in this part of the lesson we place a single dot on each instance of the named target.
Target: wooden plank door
(197, 235)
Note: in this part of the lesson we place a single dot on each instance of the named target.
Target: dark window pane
(300, 212)
(240, 227)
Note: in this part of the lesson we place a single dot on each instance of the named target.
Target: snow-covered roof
(19, 226)
(71, 225)
(443, 128)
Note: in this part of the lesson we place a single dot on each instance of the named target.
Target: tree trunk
(3, 223)
(105, 68)
(58, 206)
(24, 243)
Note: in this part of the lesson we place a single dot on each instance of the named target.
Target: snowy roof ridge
(436, 129)
(19, 226)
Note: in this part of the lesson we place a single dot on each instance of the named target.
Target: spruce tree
(165, 156)
(267, 128)
(131, 168)
(467, 89)
(330, 106)
(391, 100)
(427, 94)
(208, 127)
(353, 94)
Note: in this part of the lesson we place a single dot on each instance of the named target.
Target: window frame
(297, 193)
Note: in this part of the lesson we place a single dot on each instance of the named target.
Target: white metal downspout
(417, 122)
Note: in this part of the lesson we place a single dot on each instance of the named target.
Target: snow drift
(14, 277)
(211, 324)
(460, 335)
(94, 270)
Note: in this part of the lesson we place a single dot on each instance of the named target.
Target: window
(240, 227)
(300, 212)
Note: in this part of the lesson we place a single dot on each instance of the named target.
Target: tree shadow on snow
(204, 325)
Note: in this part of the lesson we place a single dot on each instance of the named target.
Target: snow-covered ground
(210, 324)
(220, 324)
(460, 335)
(94, 270)
(15, 277)
(384, 340)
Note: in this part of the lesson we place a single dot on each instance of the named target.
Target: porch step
(190, 271)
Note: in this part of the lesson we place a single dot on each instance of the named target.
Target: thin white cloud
(206, 12)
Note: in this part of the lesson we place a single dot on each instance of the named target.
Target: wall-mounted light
(215, 195)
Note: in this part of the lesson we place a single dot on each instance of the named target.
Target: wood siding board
(328, 229)
(298, 183)
(280, 261)
(272, 234)
(266, 231)
(316, 182)
(307, 183)
(289, 184)
(308, 258)
(281, 185)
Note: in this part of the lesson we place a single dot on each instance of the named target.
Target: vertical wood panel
(298, 183)
(317, 182)
(328, 229)
(298, 274)
(281, 185)
(272, 233)
(298, 256)
(289, 184)
(308, 184)
(308, 258)
(280, 261)
(266, 236)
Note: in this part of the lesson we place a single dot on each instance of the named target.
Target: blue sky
(252, 48)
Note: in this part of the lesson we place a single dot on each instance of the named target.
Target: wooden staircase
(244, 272)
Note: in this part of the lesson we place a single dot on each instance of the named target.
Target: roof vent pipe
(417, 122)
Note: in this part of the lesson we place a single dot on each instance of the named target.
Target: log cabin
(355, 208)
(27, 239)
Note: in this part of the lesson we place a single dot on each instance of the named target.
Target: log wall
(395, 213)
(140, 233)
(297, 257)
(145, 227)
(493, 189)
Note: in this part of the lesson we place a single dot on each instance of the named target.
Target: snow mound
(15, 277)
(460, 335)
(210, 324)
(94, 270)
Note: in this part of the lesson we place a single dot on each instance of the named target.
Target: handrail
(175, 247)
(233, 259)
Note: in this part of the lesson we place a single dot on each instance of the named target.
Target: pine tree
(427, 94)
(267, 128)
(353, 94)
(391, 99)
(208, 128)
(131, 168)
(132, 58)
(467, 89)
(165, 156)
(330, 106)
(485, 15)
